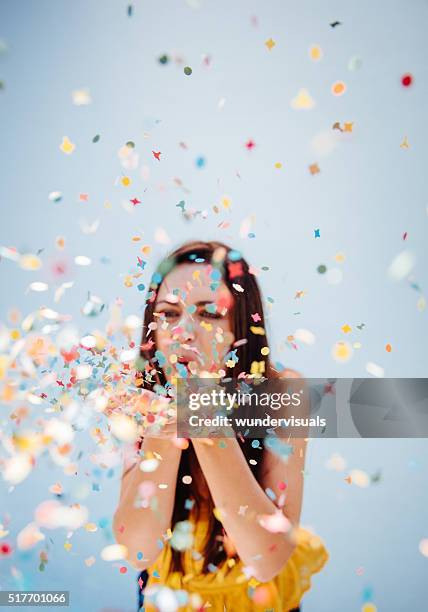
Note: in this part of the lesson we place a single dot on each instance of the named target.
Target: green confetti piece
(96, 138)
(188, 71)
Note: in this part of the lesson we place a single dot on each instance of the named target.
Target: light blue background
(368, 193)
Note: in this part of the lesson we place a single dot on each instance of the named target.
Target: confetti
(375, 370)
(270, 44)
(315, 53)
(303, 100)
(342, 352)
(407, 80)
(187, 70)
(81, 97)
(338, 88)
(67, 146)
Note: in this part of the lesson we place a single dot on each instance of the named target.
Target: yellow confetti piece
(339, 257)
(60, 242)
(126, 181)
(257, 367)
(338, 88)
(173, 358)
(68, 546)
(315, 53)
(226, 201)
(146, 249)
(270, 44)
(342, 352)
(230, 363)
(30, 262)
(91, 527)
(217, 514)
(405, 143)
(136, 238)
(67, 146)
(15, 334)
(257, 330)
(303, 100)
(206, 326)
(346, 328)
(278, 165)
(369, 607)
(348, 127)
(265, 350)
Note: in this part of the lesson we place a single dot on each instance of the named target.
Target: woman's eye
(210, 315)
(169, 314)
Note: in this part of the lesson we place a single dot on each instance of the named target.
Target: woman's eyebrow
(166, 302)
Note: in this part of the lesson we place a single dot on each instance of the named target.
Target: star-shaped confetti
(347, 126)
(270, 43)
(250, 144)
(157, 154)
(135, 201)
(346, 328)
(314, 169)
(317, 233)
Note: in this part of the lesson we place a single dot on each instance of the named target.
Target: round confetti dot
(407, 80)
(200, 162)
(255, 443)
(139, 555)
(130, 144)
(265, 350)
(126, 181)
(164, 59)
(342, 352)
(388, 348)
(322, 269)
(278, 165)
(369, 607)
(315, 53)
(423, 547)
(187, 71)
(141, 287)
(123, 569)
(186, 479)
(338, 88)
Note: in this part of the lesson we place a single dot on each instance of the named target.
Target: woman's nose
(186, 330)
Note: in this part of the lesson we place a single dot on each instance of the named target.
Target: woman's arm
(240, 500)
(139, 529)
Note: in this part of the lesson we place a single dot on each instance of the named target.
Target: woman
(201, 537)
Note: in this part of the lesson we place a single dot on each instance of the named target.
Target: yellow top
(228, 588)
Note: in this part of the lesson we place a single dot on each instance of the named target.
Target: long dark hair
(246, 303)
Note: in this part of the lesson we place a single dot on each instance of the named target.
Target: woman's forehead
(194, 281)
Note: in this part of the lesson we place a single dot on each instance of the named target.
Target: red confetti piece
(407, 80)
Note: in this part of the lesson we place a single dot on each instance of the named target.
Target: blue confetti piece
(139, 555)
(103, 522)
(255, 443)
(251, 235)
(188, 504)
(141, 287)
(215, 274)
(270, 494)
(200, 162)
(234, 256)
(191, 308)
(157, 278)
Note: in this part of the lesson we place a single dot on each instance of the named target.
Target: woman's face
(194, 323)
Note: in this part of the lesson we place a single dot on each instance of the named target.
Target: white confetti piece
(114, 552)
(375, 370)
(38, 286)
(305, 336)
(275, 523)
(82, 260)
(401, 265)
